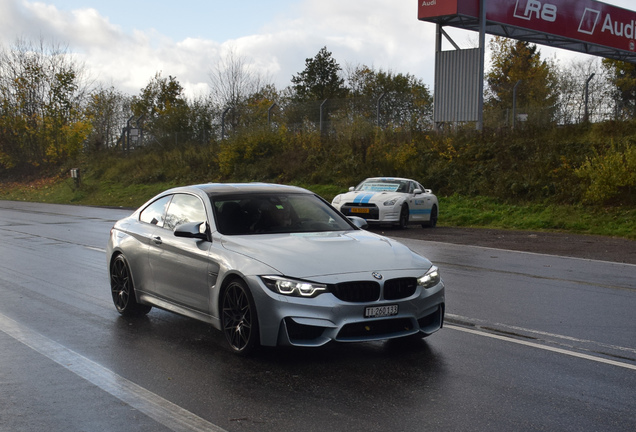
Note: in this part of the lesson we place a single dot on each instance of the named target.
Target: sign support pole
(482, 57)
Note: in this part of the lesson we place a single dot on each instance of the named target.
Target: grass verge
(455, 211)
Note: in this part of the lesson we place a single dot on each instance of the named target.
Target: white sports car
(390, 200)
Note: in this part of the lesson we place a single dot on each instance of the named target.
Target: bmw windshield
(246, 214)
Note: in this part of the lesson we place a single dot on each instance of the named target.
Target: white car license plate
(380, 311)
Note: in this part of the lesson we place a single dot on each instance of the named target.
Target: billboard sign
(586, 21)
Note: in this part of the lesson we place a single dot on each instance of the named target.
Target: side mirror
(351, 189)
(195, 230)
(417, 191)
(358, 222)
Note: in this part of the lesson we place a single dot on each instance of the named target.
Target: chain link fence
(331, 117)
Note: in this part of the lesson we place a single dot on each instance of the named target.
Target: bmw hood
(307, 255)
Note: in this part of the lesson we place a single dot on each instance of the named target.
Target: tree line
(51, 111)
(587, 90)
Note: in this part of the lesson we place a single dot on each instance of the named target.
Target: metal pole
(514, 103)
(482, 52)
(223, 123)
(378, 109)
(321, 115)
(438, 49)
(128, 134)
(140, 126)
(586, 117)
(269, 114)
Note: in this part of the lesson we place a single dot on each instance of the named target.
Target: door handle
(157, 240)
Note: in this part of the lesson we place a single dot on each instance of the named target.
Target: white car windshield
(275, 213)
(383, 186)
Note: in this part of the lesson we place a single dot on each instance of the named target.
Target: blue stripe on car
(367, 198)
(362, 198)
(424, 211)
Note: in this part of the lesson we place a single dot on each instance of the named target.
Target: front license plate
(380, 311)
(359, 210)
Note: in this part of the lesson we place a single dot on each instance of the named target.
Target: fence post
(223, 123)
(126, 146)
(269, 114)
(140, 126)
(378, 109)
(514, 104)
(586, 117)
(321, 116)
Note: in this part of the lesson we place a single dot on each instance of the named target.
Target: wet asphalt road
(531, 342)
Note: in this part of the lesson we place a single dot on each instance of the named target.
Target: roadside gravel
(572, 245)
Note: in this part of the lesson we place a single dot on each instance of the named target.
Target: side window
(183, 209)
(155, 213)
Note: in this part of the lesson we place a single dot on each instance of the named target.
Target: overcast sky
(124, 43)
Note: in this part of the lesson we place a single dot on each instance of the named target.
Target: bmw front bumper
(312, 322)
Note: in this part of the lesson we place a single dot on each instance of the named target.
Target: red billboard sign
(587, 21)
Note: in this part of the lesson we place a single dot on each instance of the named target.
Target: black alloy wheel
(404, 217)
(122, 289)
(238, 316)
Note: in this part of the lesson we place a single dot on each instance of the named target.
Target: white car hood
(364, 197)
(310, 255)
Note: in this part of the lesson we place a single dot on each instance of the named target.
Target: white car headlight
(391, 202)
(293, 287)
(430, 279)
(336, 200)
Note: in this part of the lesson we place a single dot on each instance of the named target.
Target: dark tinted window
(275, 213)
(155, 213)
(184, 208)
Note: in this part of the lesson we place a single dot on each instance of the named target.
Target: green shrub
(610, 177)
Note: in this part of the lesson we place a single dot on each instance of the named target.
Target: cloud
(383, 34)
(379, 33)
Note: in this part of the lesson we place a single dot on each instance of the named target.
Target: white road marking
(543, 347)
(154, 406)
(541, 333)
(95, 249)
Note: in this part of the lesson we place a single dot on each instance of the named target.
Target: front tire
(123, 290)
(238, 318)
(404, 217)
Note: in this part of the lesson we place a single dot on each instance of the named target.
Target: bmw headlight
(430, 279)
(391, 202)
(293, 287)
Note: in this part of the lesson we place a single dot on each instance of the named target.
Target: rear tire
(123, 290)
(433, 220)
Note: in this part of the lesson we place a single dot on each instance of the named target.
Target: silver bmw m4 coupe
(270, 265)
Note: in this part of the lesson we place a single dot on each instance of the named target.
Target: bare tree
(234, 81)
(573, 79)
